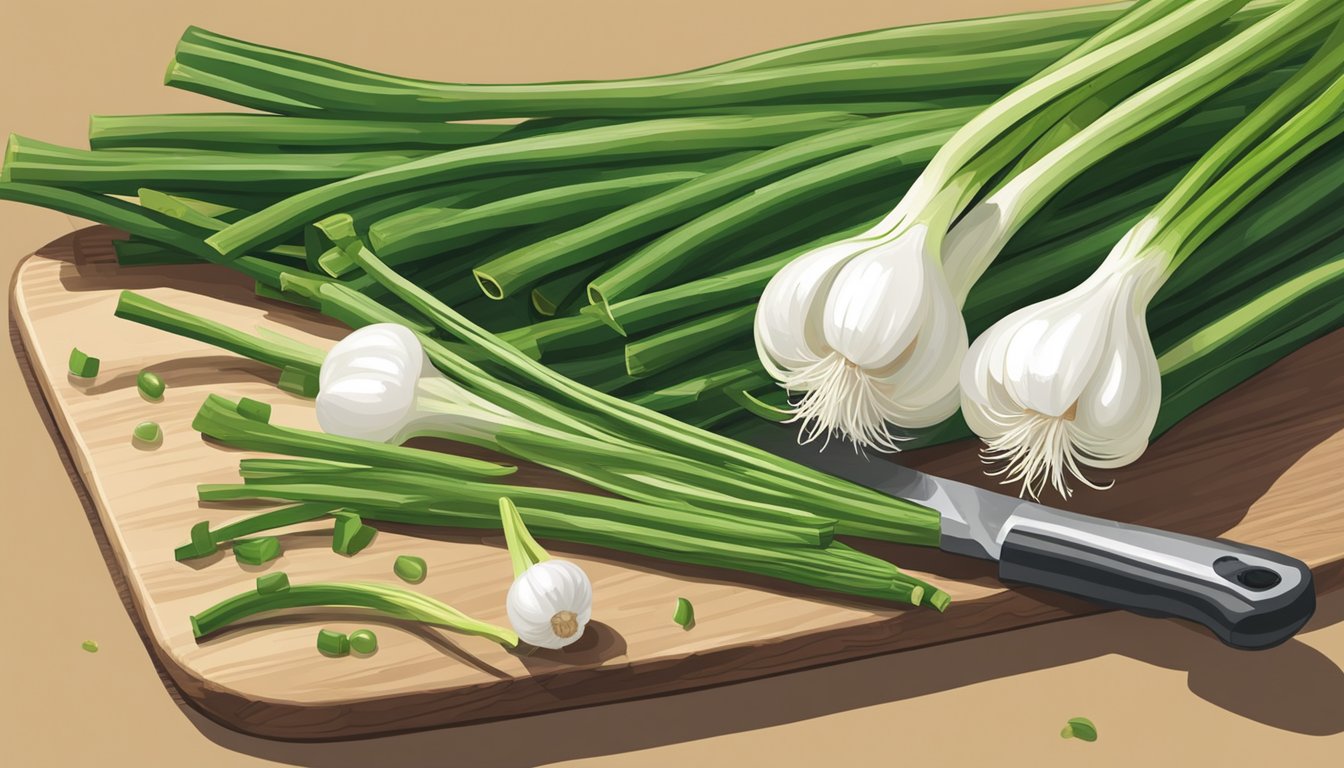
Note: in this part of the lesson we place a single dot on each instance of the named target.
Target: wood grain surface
(1259, 465)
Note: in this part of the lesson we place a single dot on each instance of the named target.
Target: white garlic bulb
(867, 330)
(1069, 382)
(550, 603)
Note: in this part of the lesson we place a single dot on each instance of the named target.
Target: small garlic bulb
(869, 333)
(550, 603)
(1068, 382)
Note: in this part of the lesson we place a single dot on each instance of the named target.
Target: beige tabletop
(1159, 692)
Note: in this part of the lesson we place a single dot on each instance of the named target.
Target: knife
(1249, 597)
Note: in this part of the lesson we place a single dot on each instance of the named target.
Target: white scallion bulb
(378, 384)
(367, 385)
(1070, 382)
(867, 331)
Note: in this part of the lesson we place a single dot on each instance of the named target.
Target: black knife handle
(1249, 597)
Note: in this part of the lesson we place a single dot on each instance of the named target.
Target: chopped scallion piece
(272, 582)
(151, 386)
(685, 613)
(82, 365)
(298, 382)
(333, 643)
(90, 646)
(363, 641)
(255, 410)
(410, 568)
(256, 551)
(1079, 728)
(351, 534)
(202, 543)
(148, 432)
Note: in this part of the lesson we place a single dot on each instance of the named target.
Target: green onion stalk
(933, 61)
(1068, 420)
(245, 73)
(390, 601)
(623, 143)
(123, 172)
(385, 488)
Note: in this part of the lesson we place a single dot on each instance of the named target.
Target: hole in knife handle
(1254, 577)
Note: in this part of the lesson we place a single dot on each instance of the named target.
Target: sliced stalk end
(603, 313)
(11, 149)
(635, 367)
(339, 229)
(335, 263)
(172, 71)
(595, 296)
(541, 303)
(939, 600)
(489, 285)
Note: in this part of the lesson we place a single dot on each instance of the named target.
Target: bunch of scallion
(583, 288)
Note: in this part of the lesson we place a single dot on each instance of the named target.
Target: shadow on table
(1292, 687)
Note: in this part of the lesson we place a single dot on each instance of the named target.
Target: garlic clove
(788, 324)
(873, 308)
(920, 388)
(550, 604)
(1118, 409)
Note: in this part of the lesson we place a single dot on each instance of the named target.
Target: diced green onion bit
(410, 568)
(685, 613)
(148, 432)
(255, 410)
(299, 382)
(151, 386)
(363, 641)
(256, 551)
(1079, 728)
(82, 365)
(351, 535)
(89, 646)
(202, 543)
(272, 582)
(333, 643)
(390, 601)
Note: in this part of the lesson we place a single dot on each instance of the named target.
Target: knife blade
(1249, 597)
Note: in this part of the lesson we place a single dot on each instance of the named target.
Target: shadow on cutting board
(1292, 687)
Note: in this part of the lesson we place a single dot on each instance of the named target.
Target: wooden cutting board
(1260, 465)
